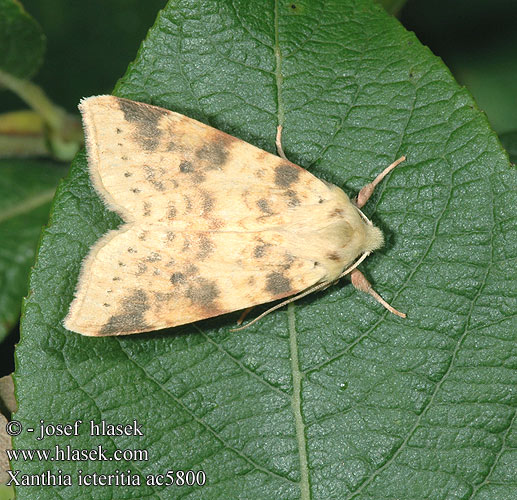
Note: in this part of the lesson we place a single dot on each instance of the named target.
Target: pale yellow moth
(212, 224)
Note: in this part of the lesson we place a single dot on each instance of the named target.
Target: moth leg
(244, 314)
(361, 283)
(367, 191)
(278, 143)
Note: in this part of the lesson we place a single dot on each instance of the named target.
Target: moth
(211, 224)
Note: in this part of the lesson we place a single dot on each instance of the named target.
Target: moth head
(374, 239)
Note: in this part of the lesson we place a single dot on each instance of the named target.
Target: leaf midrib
(296, 399)
(296, 405)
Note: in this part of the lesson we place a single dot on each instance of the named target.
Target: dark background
(90, 44)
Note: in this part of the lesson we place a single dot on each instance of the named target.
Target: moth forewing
(212, 224)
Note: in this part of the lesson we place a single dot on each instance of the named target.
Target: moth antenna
(314, 288)
(367, 191)
(361, 283)
(278, 142)
(354, 265)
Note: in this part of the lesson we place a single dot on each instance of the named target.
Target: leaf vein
(201, 422)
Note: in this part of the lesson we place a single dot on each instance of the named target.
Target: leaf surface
(509, 141)
(333, 397)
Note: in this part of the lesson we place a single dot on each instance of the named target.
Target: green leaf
(26, 190)
(392, 6)
(509, 141)
(333, 397)
(21, 39)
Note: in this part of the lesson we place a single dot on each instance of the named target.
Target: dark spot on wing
(260, 250)
(177, 278)
(277, 284)
(171, 211)
(186, 167)
(333, 256)
(215, 153)
(289, 259)
(135, 190)
(131, 250)
(147, 209)
(143, 235)
(188, 203)
(207, 204)
(285, 175)
(131, 317)
(119, 131)
(206, 247)
(158, 185)
(293, 198)
(264, 206)
(146, 118)
(203, 292)
(127, 174)
(170, 236)
(150, 176)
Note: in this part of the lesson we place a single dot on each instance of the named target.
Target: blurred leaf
(79, 60)
(22, 41)
(26, 190)
(61, 132)
(392, 6)
(23, 44)
(490, 74)
(478, 41)
(5, 444)
(6, 492)
(333, 398)
(509, 141)
(22, 134)
(7, 398)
